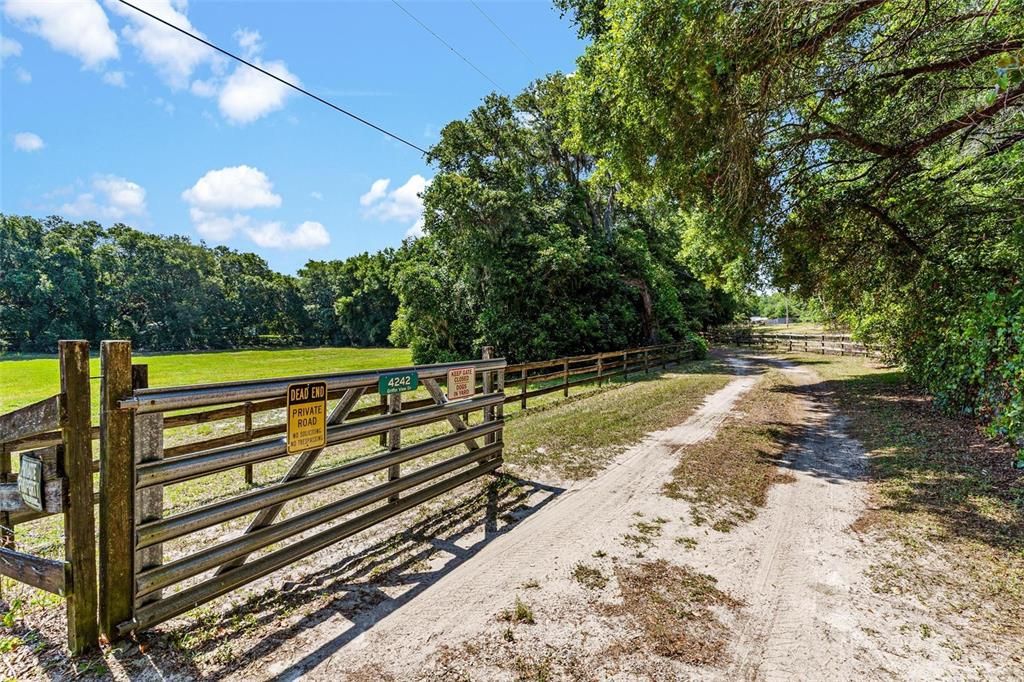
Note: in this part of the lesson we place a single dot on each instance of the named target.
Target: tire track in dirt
(590, 514)
(804, 580)
(805, 560)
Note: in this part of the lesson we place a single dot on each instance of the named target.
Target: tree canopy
(526, 251)
(867, 153)
(61, 280)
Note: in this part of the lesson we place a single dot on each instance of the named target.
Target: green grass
(26, 379)
(577, 438)
(726, 478)
(794, 328)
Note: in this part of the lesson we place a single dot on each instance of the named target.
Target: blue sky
(107, 115)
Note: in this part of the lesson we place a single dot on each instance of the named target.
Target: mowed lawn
(26, 379)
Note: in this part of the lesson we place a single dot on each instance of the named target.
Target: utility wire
(507, 36)
(445, 43)
(277, 78)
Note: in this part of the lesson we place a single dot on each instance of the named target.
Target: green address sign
(399, 382)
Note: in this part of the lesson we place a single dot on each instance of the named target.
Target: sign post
(307, 416)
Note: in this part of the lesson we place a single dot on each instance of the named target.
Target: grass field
(26, 379)
(795, 328)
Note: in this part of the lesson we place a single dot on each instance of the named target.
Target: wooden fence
(54, 478)
(138, 584)
(823, 344)
(548, 376)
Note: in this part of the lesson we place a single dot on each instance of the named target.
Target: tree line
(866, 154)
(63, 280)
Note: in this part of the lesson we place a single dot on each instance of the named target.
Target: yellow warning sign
(461, 382)
(307, 416)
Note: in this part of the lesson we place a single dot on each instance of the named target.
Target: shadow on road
(357, 591)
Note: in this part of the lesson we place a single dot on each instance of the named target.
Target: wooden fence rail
(823, 344)
(414, 472)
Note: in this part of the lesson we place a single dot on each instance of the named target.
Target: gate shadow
(355, 589)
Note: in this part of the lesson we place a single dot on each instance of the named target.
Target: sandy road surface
(809, 610)
(587, 516)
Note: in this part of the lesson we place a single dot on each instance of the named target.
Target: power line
(332, 105)
(507, 36)
(446, 44)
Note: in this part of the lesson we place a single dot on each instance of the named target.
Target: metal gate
(154, 589)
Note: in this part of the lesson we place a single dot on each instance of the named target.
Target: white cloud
(317, 195)
(28, 142)
(216, 227)
(204, 88)
(416, 231)
(23, 75)
(174, 55)
(111, 198)
(9, 47)
(248, 94)
(115, 78)
(250, 41)
(218, 198)
(76, 27)
(377, 191)
(123, 196)
(402, 203)
(232, 188)
(168, 107)
(308, 235)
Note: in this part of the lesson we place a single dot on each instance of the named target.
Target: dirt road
(798, 570)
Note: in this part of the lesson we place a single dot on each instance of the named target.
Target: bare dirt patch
(946, 503)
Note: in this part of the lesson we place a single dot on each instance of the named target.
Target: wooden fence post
(599, 365)
(248, 434)
(148, 437)
(625, 365)
(499, 409)
(487, 352)
(384, 410)
(117, 489)
(565, 378)
(522, 398)
(79, 523)
(647, 366)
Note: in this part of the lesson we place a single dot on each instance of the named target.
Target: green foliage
(975, 363)
(525, 252)
(61, 280)
(778, 305)
(867, 155)
(349, 302)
